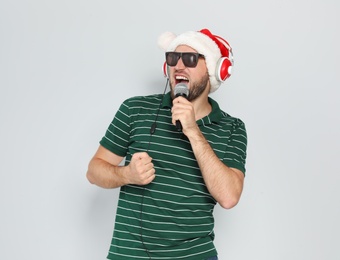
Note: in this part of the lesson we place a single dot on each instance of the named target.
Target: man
(182, 156)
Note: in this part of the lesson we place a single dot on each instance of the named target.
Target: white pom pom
(165, 39)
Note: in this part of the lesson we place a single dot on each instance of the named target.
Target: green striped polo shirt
(172, 217)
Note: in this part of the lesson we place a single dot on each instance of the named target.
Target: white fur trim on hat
(201, 43)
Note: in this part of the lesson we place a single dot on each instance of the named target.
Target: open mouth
(181, 79)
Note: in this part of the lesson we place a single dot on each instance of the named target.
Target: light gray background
(65, 67)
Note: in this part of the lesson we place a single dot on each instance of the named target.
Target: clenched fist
(141, 170)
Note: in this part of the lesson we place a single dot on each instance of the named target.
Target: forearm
(223, 182)
(106, 175)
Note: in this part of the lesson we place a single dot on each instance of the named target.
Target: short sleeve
(117, 136)
(236, 150)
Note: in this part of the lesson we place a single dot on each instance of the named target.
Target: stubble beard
(197, 88)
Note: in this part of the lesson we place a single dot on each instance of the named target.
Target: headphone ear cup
(223, 69)
(165, 70)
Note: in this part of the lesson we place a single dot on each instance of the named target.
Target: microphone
(182, 90)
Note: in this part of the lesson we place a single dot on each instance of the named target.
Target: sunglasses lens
(190, 59)
(172, 58)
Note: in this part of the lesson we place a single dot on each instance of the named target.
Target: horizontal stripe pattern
(172, 217)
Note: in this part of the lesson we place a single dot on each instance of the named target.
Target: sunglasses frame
(186, 62)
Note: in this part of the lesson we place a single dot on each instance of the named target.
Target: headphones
(224, 66)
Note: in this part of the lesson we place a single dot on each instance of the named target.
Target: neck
(202, 108)
(201, 105)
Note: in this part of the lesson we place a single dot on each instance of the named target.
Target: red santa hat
(217, 52)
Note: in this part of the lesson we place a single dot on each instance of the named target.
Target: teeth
(181, 77)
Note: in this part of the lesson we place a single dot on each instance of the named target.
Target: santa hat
(216, 50)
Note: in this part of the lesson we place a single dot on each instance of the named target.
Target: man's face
(196, 78)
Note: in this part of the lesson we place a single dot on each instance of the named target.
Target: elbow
(228, 204)
(229, 201)
(89, 174)
(89, 178)
(229, 198)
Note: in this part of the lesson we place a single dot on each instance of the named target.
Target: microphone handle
(178, 125)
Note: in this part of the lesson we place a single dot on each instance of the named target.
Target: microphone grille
(181, 89)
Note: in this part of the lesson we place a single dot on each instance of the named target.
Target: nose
(180, 64)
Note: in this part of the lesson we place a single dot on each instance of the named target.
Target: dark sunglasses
(189, 59)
